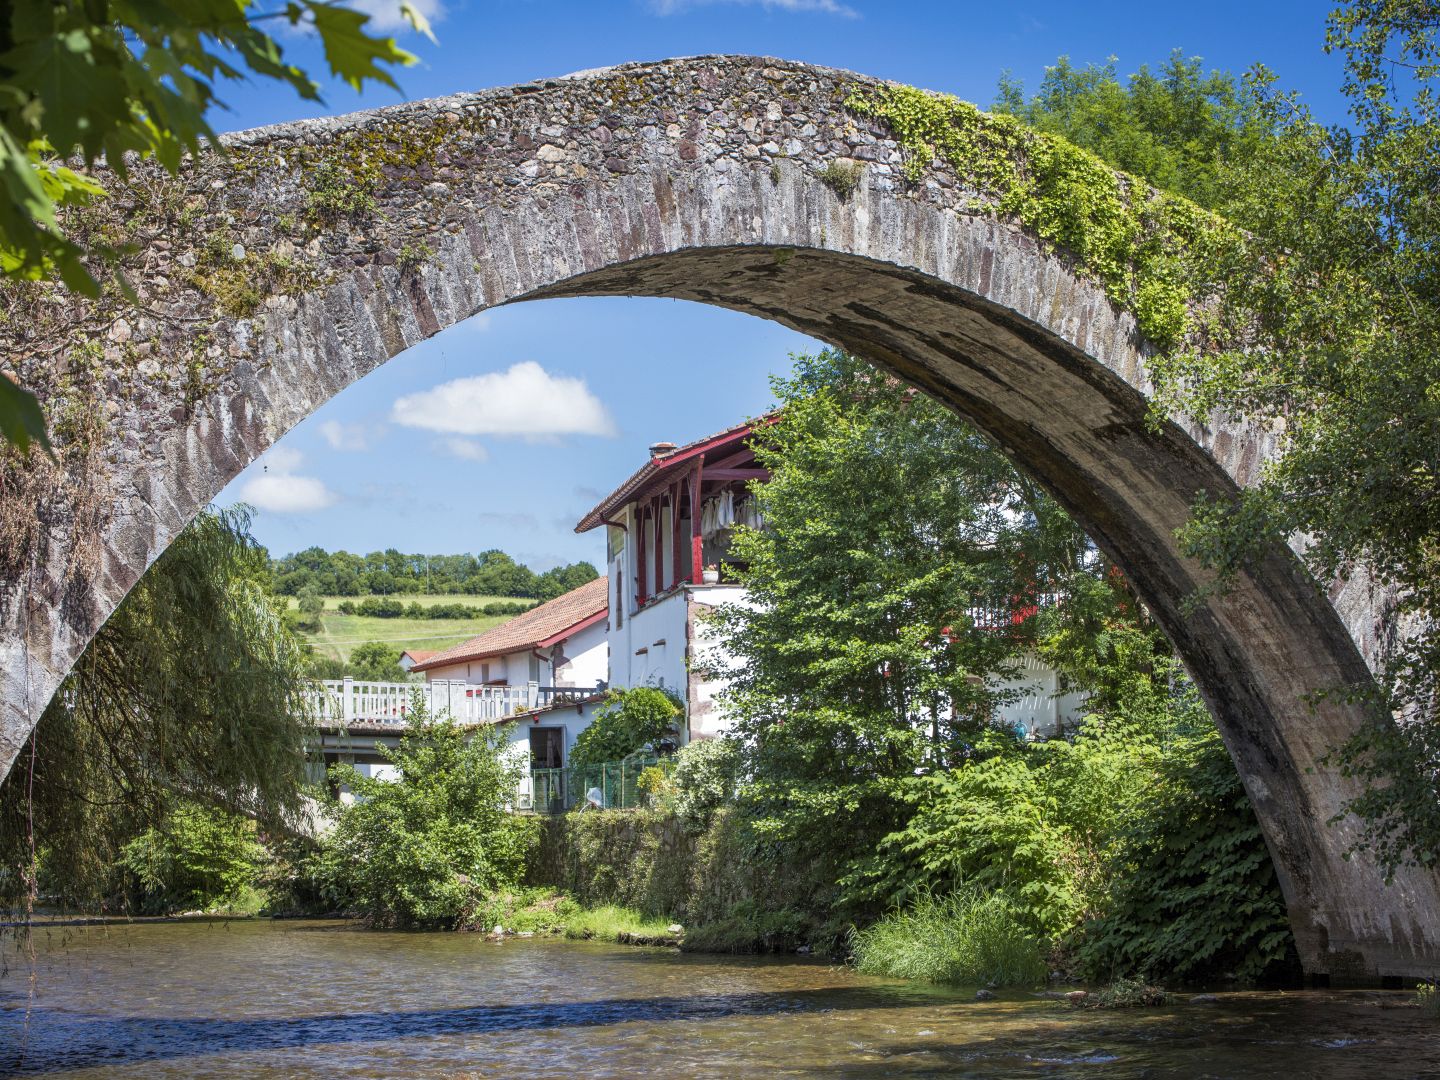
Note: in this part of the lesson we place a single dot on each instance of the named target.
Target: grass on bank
(964, 938)
(543, 911)
(339, 634)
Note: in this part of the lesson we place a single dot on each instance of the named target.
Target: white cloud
(465, 449)
(346, 436)
(280, 491)
(525, 401)
(823, 7)
(281, 459)
(387, 15)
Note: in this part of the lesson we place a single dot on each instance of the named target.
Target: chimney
(661, 449)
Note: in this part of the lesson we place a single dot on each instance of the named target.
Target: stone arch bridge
(271, 278)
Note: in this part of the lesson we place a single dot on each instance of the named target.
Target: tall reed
(961, 937)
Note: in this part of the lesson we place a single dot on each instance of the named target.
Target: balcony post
(347, 701)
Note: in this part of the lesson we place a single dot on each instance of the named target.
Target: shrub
(747, 927)
(1192, 892)
(627, 721)
(346, 607)
(425, 850)
(1427, 996)
(378, 607)
(197, 859)
(964, 937)
(375, 660)
(705, 776)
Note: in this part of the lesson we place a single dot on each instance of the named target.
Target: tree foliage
(898, 541)
(491, 573)
(628, 720)
(428, 848)
(193, 690)
(85, 80)
(1176, 127)
(195, 859)
(1321, 324)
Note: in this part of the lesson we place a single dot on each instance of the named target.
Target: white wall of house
(1042, 710)
(583, 659)
(572, 719)
(709, 660)
(584, 662)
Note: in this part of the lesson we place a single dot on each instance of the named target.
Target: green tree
(117, 77)
(193, 690)
(1176, 128)
(197, 858)
(428, 848)
(898, 541)
(1333, 292)
(376, 661)
(562, 579)
(1341, 357)
(626, 721)
(312, 606)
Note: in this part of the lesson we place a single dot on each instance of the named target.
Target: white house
(664, 526)
(544, 666)
(668, 530)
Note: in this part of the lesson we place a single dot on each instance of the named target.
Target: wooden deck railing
(345, 702)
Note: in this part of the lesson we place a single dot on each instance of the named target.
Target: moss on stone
(1131, 239)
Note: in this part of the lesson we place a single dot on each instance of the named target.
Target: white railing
(352, 701)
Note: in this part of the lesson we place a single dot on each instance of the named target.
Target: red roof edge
(656, 466)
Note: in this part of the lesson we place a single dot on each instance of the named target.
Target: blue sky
(393, 460)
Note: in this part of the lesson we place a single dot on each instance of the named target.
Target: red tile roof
(658, 466)
(543, 625)
(419, 655)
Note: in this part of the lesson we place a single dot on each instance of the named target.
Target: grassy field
(339, 634)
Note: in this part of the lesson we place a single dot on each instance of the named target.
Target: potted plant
(711, 574)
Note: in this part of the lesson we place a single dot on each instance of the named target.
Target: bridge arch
(274, 277)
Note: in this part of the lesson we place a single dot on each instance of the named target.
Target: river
(326, 999)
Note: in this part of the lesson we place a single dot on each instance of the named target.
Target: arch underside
(1257, 652)
(971, 309)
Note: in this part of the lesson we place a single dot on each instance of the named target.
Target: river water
(325, 999)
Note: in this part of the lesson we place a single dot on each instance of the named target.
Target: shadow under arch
(701, 179)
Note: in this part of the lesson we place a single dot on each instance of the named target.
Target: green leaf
(21, 421)
(416, 19)
(82, 97)
(353, 54)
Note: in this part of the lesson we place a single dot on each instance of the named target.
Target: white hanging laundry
(727, 509)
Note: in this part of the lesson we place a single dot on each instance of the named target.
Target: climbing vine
(1136, 242)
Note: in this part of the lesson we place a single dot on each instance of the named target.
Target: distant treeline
(385, 573)
(387, 607)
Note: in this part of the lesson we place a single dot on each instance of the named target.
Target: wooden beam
(640, 566)
(697, 542)
(659, 556)
(737, 474)
(675, 533)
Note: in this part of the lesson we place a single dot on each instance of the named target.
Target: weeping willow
(193, 691)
